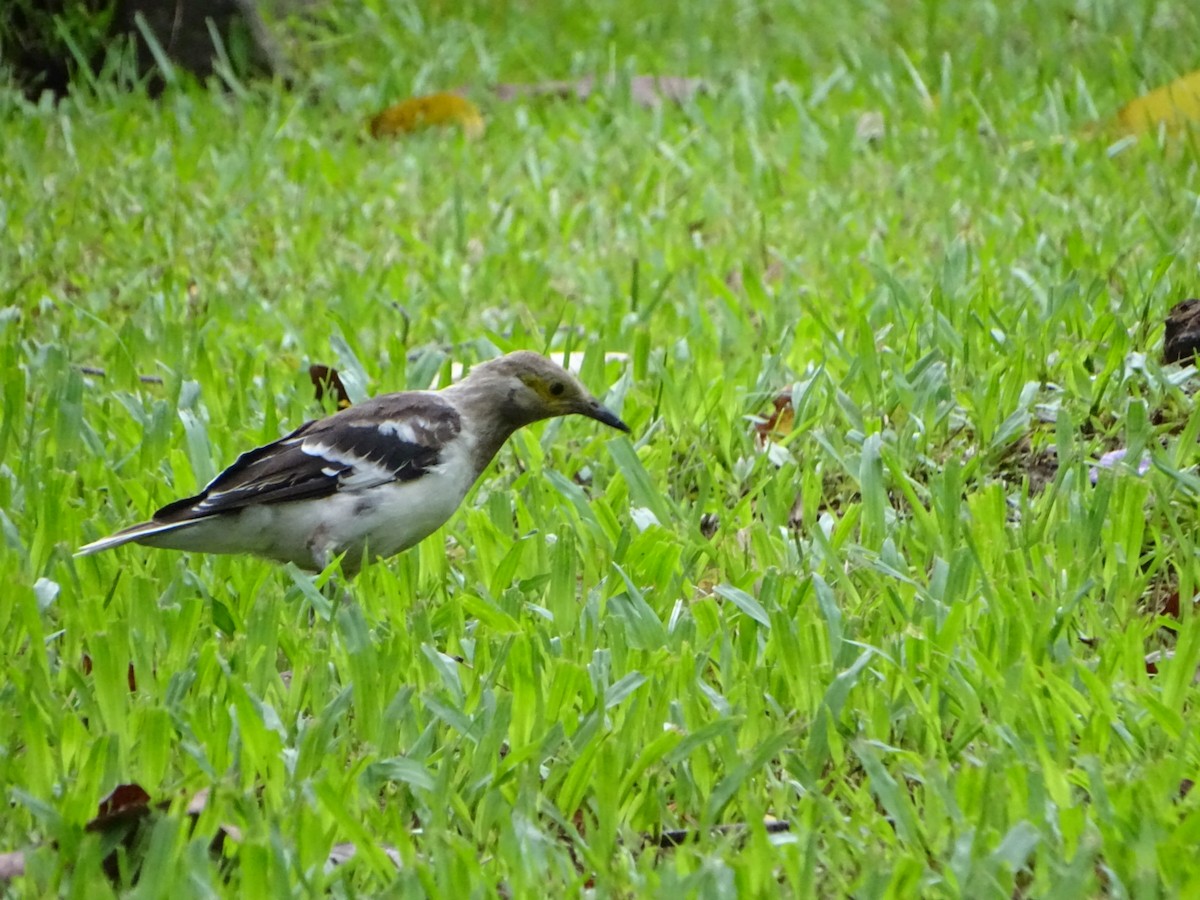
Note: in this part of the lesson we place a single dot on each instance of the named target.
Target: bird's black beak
(593, 409)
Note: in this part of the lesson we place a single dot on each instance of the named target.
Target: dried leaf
(416, 113)
(126, 803)
(326, 378)
(123, 811)
(1181, 340)
(1169, 606)
(1156, 657)
(646, 90)
(1173, 106)
(780, 421)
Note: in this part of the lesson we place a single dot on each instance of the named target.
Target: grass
(915, 630)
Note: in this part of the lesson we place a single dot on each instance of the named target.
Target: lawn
(896, 649)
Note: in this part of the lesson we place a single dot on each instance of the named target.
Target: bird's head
(532, 387)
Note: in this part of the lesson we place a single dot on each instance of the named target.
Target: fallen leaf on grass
(129, 805)
(125, 810)
(646, 90)
(1169, 606)
(326, 378)
(122, 813)
(417, 113)
(1173, 106)
(780, 420)
(1181, 340)
(126, 802)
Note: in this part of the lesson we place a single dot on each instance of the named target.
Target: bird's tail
(132, 534)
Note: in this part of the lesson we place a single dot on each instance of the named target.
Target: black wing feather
(395, 437)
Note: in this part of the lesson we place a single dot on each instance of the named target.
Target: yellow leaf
(1175, 106)
(416, 113)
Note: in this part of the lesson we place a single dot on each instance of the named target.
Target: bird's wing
(394, 437)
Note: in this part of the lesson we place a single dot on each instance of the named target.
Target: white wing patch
(354, 474)
(403, 430)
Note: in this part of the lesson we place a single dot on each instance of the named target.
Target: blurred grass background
(914, 629)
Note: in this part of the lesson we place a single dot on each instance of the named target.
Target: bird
(372, 480)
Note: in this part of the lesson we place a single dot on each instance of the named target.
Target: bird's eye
(557, 388)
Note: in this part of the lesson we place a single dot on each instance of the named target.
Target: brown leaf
(1154, 658)
(326, 378)
(1181, 340)
(129, 805)
(1170, 607)
(417, 113)
(122, 810)
(781, 419)
(646, 90)
(126, 803)
(1173, 106)
(125, 809)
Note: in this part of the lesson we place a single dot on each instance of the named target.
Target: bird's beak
(593, 409)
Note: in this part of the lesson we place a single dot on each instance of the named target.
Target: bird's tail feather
(131, 534)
